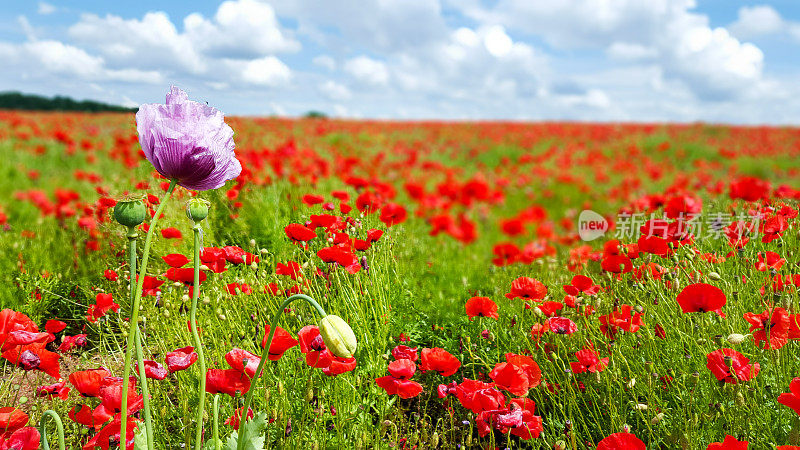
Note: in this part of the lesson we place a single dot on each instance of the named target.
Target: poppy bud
(130, 212)
(736, 339)
(657, 419)
(714, 276)
(197, 209)
(560, 445)
(338, 336)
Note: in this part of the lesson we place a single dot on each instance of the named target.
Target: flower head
(187, 141)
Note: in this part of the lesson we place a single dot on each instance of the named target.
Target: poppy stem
(148, 421)
(242, 430)
(134, 321)
(201, 360)
(59, 429)
(217, 442)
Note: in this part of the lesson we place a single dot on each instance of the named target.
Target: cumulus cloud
(267, 71)
(367, 70)
(46, 8)
(713, 63)
(763, 20)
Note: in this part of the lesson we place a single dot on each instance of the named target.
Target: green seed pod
(130, 212)
(197, 209)
(338, 336)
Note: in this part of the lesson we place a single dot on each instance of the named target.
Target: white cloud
(241, 29)
(757, 21)
(40, 58)
(368, 71)
(335, 91)
(325, 61)
(267, 71)
(710, 61)
(46, 8)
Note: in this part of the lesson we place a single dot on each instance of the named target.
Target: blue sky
(619, 60)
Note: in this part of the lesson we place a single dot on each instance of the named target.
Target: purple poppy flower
(188, 141)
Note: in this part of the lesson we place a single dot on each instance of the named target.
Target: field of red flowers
(454, 253)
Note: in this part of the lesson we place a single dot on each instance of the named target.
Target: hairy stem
(134, 321)
(198, 344)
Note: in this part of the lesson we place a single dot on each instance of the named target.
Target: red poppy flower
(339, 366)
(54, 326)
(527, 288)
(237, 255)
(175, 260)
(103, 304)
(299, 233)
(27, 438)
(151, 285)
(769, 260)
(401, 387)
(478, 396)
(281, 342)
(82, 414)
(243, 361)
(505, 254)
(701, 297)
(153, 370)
(621, 441)
(22, 337)
(730, 366)
(374, 235)
(588, 360)
(109, 435)
(402, 369)
(110, 275)
(730, 443)
(214, 259)
(313, 199)
(70, 342)
(227, 381)
(482, 307)
(792, 399)
(770, 331)
(518, 418)
(623, 319)
(550, 308)
(511, 378)
(393, 214)
(87, 382)
(11, 320)
(184, 275)
(171, 233)
(237, 414)
(312, 345)
(341, 256)
(34, 356)
(405, 352)
(290, 269)
(616, 264)
(180, 359)
(236, 288)
(439, 360)
(59, 390)
(111, 396)
(773, 228)
(561, 325)
(12, 419)
(581, 284)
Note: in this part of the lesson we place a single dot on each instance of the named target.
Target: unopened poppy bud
(736, 338)
(714, 276)
(338, 336)
(560, 445)
(657, 419)
(130, 212)
(197, 209)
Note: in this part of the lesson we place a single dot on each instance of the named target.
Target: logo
(591, 225)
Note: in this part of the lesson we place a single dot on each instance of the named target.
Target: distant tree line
(18, 100)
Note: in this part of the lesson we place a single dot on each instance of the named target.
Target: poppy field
(480, 317)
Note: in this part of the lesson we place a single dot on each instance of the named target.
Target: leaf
(211, 445)
(140, 439)
(255, 439)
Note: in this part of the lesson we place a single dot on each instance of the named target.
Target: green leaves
(140, 439)
(253, 434)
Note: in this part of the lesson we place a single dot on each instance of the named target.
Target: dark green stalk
(59, 430)
(134, 321)
(264, 357)
(201, 360)
(148, 420)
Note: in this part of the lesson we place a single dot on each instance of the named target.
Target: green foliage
(30, 102)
